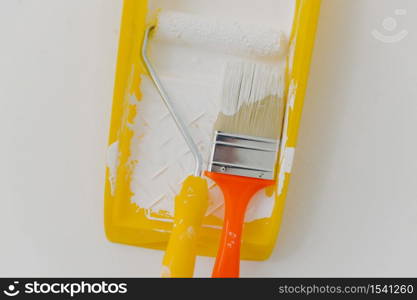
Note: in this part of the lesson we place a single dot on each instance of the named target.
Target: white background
(352, 204)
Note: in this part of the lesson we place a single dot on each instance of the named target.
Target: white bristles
(226, 36)
(252, 100)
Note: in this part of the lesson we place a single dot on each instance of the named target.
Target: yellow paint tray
(127, 222)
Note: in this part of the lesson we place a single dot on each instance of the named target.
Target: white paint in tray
(192, 75)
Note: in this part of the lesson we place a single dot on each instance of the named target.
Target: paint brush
(245, 148)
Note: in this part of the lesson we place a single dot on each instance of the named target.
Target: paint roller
(219, 35)
(222, 35)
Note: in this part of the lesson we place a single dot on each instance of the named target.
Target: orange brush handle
(237, 191)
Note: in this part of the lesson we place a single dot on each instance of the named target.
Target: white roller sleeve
(218, 34)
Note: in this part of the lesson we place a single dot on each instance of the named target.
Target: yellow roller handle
(190, 206)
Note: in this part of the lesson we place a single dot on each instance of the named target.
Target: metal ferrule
(243, 155)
